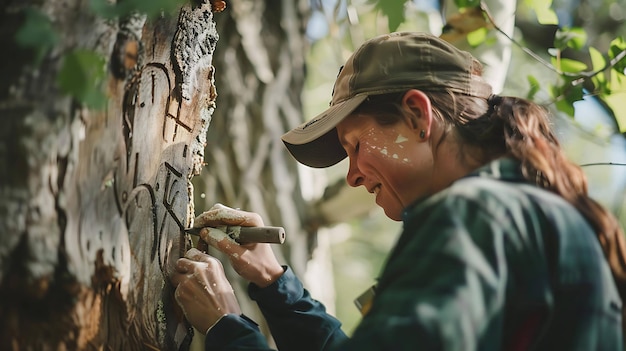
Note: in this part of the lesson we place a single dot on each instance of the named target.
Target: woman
(501, 249)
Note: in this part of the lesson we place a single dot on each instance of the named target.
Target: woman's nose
(354, 176)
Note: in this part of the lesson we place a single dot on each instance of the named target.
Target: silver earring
(422, 134)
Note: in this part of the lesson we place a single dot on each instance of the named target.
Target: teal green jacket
(490, 263)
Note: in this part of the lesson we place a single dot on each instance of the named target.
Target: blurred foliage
(37, 34)
(83, 71)
(82, 75)
(543, 10)
(151, 8)
(603, 80)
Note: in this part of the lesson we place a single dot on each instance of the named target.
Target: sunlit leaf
(534, 87)
(615, 100)
(575, 38)
(477, 37)
(572, 66)
(569, 65)
(36, 33)
(466, 3)
(598, 63)
(81, 76)
(618, 45)
(597, 60)
(545, 15)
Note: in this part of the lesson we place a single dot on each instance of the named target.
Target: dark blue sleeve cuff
(235, 332)
(286, 290)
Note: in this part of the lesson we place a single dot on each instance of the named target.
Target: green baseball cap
(385, 64)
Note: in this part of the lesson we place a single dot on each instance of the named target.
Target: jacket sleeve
(297, 322)
(234, 333)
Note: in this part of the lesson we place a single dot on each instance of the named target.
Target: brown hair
(516, 127)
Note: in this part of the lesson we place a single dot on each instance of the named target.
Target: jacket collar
(507, 169)
(503, 169)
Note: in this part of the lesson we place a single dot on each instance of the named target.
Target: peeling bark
(260, 66)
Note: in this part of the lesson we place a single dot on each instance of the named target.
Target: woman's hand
(254, 262)
(202, 290)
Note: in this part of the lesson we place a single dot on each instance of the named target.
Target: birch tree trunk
(94, 202)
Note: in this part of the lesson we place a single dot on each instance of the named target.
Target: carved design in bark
(153, 201)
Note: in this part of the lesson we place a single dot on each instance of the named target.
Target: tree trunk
(94, 203)
(260, 67)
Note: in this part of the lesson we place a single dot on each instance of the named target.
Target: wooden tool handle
(273, 235)
(248, 235)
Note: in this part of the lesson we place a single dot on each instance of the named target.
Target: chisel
(247, 235)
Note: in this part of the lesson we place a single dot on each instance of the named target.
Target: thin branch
(582, 75)
(531, 53)
(603, 164)
(610, 64)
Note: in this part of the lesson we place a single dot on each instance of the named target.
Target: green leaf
(151, 8)
(572, 66)
(615, 100)
(37, 33)
(597, 60)
(394, 11)
(565, 107)
(575, 38)
(618, 45)
(569, 94)
(545, 15)
(598, 63)
(534, 87)
(477, 37)
(81, 76)
(569, 65)
(466, 3)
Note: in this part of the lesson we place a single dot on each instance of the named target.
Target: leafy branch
(605, 80)
(83, 72)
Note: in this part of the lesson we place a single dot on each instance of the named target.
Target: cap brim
(315, 143)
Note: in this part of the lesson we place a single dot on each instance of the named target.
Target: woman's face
(390, 161)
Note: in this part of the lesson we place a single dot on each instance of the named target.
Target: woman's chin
(393, 214)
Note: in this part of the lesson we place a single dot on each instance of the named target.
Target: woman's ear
(421, 116)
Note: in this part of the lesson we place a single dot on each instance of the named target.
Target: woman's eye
(356, 147)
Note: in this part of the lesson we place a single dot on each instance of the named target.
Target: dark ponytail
(529, 138)
(503, 125)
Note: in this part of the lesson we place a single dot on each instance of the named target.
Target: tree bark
(260, 73)
(94, 203)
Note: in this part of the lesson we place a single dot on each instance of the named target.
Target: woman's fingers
(199, 256)
(254, 262)
(196, 263)
(223, 215)
(222, 241)
(202, 289)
